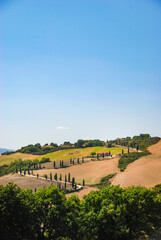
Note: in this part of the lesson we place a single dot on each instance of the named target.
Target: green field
(58, 155)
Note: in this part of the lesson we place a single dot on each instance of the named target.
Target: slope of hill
(58, 155)
(144, 171)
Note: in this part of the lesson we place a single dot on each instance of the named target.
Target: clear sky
(72, 69)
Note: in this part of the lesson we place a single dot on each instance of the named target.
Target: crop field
(59, 155)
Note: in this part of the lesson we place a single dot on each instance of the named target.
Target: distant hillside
(2, 150)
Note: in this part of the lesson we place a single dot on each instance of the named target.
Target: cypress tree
(65, 181)
(68, 177)
(122, 151)
(83, 182)
(109, 153)
(128, 149)
(62, 164)
(78, 160)
(34, 165)
(73, 181)
(60, 177)
(37, 175)
(56, 176)
(54, 164)
(73, 161)
(137, 148)
(50, 176)
(75, 186)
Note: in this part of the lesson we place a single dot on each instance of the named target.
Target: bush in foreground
(112, 213)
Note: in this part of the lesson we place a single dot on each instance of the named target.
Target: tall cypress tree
(54, 164)
(50, 176)
(60, 178)
(56, 176)
(83, 182)
(73, 181)
(68, 177)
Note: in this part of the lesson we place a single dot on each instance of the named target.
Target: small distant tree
(65, 181)
(83, 182)
(62, 164)
(50, 176)
(93, 153)
(68, 177)
(73, 181)
(24, 172)
(82, 159)
(73, 161)
(78, 160)
(109, 153)
(128, 149)
(54, 164)
(137, 148)
(75, 186)
(56, 176)
(37, 175)
(122, 151)
(70, 160)
(109, 145)
(103, 155)
(60, 178)
(97, 156)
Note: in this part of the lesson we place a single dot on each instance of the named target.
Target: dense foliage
(22, 165)
(140, 142)
(112, 213)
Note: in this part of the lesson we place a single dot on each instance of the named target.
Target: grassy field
(59, 155)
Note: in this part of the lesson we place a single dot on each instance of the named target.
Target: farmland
(58, 155)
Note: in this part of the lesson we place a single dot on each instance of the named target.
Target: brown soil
(24, 182)
(91, 171)
(145, 171)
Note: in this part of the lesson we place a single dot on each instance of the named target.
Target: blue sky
(79, 69)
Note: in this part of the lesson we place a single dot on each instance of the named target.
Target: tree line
(112, 213)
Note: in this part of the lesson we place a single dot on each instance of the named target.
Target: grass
(58, 155)
(104, 181)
